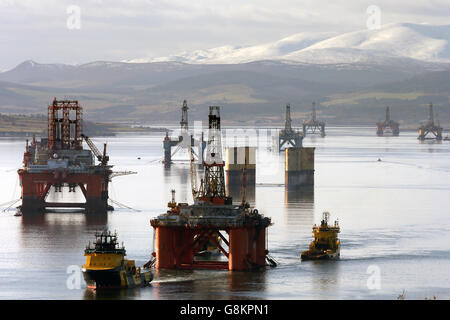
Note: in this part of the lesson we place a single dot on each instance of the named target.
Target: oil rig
(313, 126)
(60, 161)
(388, 126)
(288, 135)
(184, 141)
(237, 230)
(430, 128)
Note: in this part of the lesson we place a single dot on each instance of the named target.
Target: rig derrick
(288, 135)
(238, 231)
(60, 161)
(185, 141)
(430, 128)
(388, 125)
(313, 126)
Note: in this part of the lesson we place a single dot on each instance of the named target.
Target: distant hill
(422, 42)
(352, 77)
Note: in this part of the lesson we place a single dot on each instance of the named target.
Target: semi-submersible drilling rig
(238, 231)
(388, 125)
(60, 161)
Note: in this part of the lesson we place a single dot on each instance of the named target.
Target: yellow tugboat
(106, 266)
(326, 245)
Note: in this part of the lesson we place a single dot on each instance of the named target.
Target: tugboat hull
(307, 255)
(96, 279)
(102, 278)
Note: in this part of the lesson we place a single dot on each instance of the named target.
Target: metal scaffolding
(289, 135)
(313, 126)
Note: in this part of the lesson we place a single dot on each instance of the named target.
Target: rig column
(299, 167)
(237, 160)
(164, 246)
(261, 251)
(238, 250)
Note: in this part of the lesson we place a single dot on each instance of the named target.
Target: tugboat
(106, 266)
(326, 245)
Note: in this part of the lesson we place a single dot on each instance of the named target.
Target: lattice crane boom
(103, 158)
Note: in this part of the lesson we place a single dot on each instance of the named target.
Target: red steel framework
(64, 133)
(59, 125)
(183, 231)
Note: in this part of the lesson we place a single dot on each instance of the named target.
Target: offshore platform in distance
(313, 126)
(185, 141)
(289, 135)
(430, 129)
(388, 125)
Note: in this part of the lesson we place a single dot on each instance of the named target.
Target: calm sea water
(394, 217)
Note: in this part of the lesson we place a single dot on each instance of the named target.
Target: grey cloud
(127, 29)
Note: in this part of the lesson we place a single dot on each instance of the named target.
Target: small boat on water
(326, 245)
(106, 266)
(208, 248)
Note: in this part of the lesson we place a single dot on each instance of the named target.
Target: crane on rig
(193, 170)
(103, 158)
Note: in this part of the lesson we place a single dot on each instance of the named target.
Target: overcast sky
(128, 29)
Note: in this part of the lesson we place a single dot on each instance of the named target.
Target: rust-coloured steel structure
(238, 231)
(388, 125)
(60, 161)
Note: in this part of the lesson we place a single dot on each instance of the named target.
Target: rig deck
(60, 161)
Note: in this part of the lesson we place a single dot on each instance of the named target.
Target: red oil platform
(388, 126)
(60, 161)
(238, 231)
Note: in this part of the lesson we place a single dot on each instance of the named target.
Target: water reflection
(325, 277)
(299, 195)
(299, 207)
(110, 294)
(72, 217)
(178, 177)
(236, 191)
(430, 142)
(65, 233)
(208, 284)
(246, 283)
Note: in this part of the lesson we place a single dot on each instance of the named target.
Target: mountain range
(352, 77)
(414, 41)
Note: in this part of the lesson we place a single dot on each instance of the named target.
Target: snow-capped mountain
(234, 54)
(398, 40)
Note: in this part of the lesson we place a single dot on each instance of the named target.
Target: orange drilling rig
(238, 231)
(60, 161)
(388, 125)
